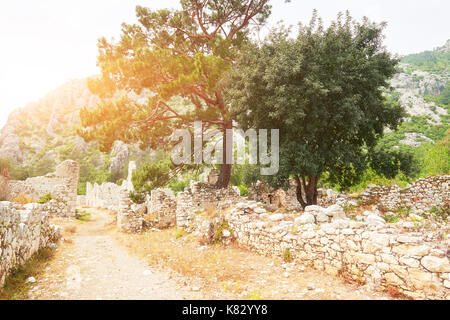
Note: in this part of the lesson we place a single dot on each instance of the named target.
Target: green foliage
(389, 163)
(151, 175)
(244, 174)
(137, 197)
(173, 54)
(243, 190)
(441, 212)
(46, 198)
(324, 91)
(287, 255)
(436, 159)
(82, 215)
(179, 233)
(391, 218)
(430, 61)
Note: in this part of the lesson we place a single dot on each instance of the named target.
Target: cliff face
(56, 116)
(43, 133)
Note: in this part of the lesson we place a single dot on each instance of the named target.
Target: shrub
(137, 197)
(243, 190)
(287, 255)
(391, 218)
(179, 233)
(23, 199)
(46, 198)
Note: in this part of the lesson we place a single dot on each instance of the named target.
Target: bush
(46, 198)
(137, 197)
(23, 199)
(287, 256)
(243, 190)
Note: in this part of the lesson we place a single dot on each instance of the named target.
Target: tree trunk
(306, 190)
(225, 170)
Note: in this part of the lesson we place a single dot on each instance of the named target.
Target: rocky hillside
(422, 88)
(43, 133)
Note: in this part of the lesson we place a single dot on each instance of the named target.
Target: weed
(255, 295)
(179, 233)
(46, 198)
(23, 199)
(82, 215)
(391, 218)
(287, 255)
(16, 286)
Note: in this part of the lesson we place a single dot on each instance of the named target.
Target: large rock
(375, 220)
(120, 156)
(305, 218)
(436, 264)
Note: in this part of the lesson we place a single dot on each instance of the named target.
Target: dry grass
(232, 272)
(184, 255)
(16, 286)
(23, 199)
(4, 192)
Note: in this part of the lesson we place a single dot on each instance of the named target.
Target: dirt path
(93, 266)
(95, 261)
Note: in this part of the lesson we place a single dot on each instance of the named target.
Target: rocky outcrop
(412, 86)
(119, 157)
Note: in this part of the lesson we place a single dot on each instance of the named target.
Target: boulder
(305, 218)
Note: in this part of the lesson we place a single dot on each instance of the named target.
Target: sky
(47, 42)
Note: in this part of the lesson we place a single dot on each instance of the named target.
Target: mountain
(43, 133)
(422, 87)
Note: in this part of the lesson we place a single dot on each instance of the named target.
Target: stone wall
(105, 195)
(395, 256)
(421, 196)
(23, 231)
(275, 199)
(61, 184)
(163, 206)
(203, 196)
(108, 195)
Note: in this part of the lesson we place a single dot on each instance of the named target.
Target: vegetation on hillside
(435, 61)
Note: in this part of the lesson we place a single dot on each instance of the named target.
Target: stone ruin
(419, 197)
(274, 199)
(24, 229)
(399, 256)
(62, 185)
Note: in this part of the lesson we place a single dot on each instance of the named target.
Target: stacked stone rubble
(62, 185)
(416, 264)
(421, 196)
(23, 231)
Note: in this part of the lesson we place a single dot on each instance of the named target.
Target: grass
(391, 218)
(16, 286)
(287, 255)
(82, 215)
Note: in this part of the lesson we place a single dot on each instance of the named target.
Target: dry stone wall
(416, 264)
(203, 196)
(421, 196)
(23, 231)
(105, 195)
(61, 184)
